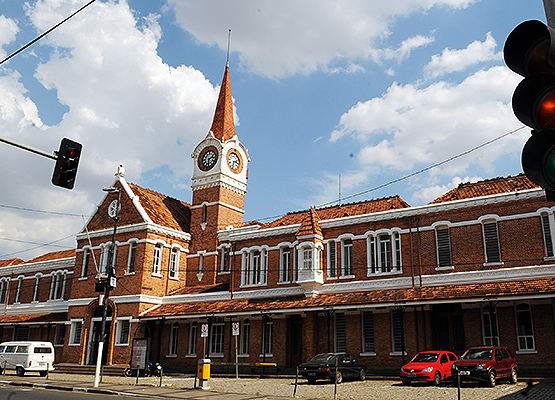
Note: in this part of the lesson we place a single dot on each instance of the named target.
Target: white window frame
(443, 246)
(131, 258)
(157, 259)
(174, 340)
(254, 267)
(86, 262)
(347, 258)
(19, 289)
(284, 264)
(57, 288)
(487, 340)
(332, 259)
(490, 223)
(76, 332)
(523, 337)
(36, 293)
(174, 263)
(217, 339)
(268, 340)
(380, 243)
(120, 324)
(548, 228)
(244, 338)
(60, 334)
(193, 339)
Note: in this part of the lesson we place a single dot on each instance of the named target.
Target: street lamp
(113, 211)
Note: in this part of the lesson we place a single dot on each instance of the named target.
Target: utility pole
(114, 213)
(549, 6)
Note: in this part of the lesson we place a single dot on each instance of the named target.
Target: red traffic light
(530, 48)
(67, 162)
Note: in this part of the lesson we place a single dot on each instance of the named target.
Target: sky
(335, 100)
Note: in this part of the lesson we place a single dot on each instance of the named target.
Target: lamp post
(113, 211)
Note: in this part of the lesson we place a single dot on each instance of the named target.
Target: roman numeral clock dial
(208, 158)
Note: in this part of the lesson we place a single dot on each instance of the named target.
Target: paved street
(179, 387)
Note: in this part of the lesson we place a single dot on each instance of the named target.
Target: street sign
(235, 327)
(204, 330)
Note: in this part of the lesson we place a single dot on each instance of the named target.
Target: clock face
(234, 161)
(208, 158)
(113, 209)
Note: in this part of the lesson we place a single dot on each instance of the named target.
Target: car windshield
(425, 357)
(325, 357)
(478, 354)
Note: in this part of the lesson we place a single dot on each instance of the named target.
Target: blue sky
(371, 91)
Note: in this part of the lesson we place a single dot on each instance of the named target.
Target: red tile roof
(223, 126)
(54, 255)
(164, 210)
(474, 291)
(310, 224)
(487, 187)
(11, 261)
(34, 318)
(343, 210)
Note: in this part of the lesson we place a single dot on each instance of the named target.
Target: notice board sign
(140, 351)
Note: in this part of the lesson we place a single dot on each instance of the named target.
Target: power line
(45, 33)
(39, 245)
(41, 211)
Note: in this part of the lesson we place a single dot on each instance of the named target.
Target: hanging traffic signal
(530, 52)
(67, 161)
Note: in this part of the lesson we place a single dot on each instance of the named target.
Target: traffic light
(67, 161)
(530, 52)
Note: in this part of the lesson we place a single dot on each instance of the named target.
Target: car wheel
(362, 375)
(339, 377)
(20, 371)
(455, 382)
(437, 378)
(312, 381)
(43, 373)
(406, 383)
(514, 375)
(491, 378)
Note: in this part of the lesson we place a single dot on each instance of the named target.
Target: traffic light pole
(549, 6)
(107, 288)
(28, 148)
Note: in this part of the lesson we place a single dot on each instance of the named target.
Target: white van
(27, 356)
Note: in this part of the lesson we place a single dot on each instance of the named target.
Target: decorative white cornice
(137, 227)
(41, 266)
(252, 232)
(222, 180)
(51, 306)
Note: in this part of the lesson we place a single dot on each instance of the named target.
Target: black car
(323, 366)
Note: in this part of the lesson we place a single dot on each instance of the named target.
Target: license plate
(465, 373)
(411, 375)
(312, 374)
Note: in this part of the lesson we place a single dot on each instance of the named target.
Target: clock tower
(219, 185)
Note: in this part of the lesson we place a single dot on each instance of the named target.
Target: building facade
(379, 279)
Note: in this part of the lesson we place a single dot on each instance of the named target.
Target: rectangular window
(385, 253)
(123, 327)
(86, 259)
(255, 267)
(347, 259)
(245, 337)
(307, 258)
(524, 328)
(4, 285)
(371, 255)
(267, 345)
(548, 240)
(173, 339)
(340, 333)
(368, 343)
(157, 266)
(443, 247)
(332, 260)
(37, 289)
(60, 337)
(398, 331)
(217, 339)
(223, 259)
(18, 292)
(76, 331)
(193, 333)
(132, 257)
(491, 240)
(22, 333)
(285, 264)
(490, 331)
(397, 246)
(174, 263)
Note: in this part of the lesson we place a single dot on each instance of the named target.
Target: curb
(60, 387)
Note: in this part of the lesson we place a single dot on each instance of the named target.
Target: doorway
(294, 340)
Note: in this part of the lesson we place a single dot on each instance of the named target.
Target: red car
(428, 366)
(486, 364)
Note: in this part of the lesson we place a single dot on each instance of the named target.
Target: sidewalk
(172, 387)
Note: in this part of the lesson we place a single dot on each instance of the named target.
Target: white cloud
(288, 37)
(411, 126)
(429, 193)
(458, 60)
(8, 30)
(125, 105)
(403, 51)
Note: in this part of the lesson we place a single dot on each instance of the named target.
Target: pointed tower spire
(223, 125)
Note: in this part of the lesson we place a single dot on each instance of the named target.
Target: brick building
(379, 279)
